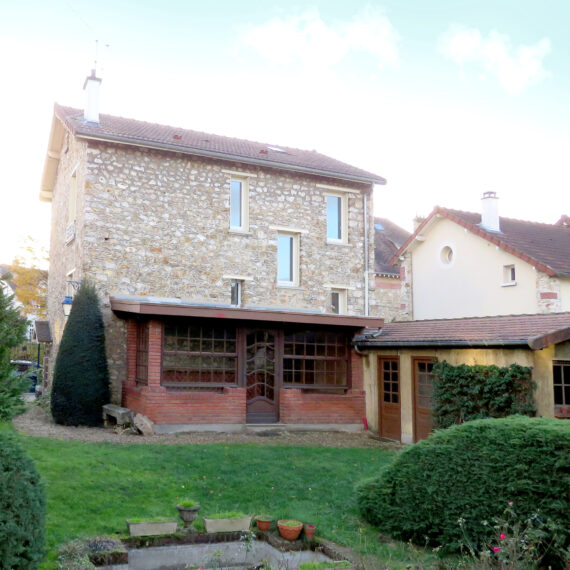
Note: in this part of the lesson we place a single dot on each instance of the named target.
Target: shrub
(463, 393)
(81, 377)
(12, 333)
(470, 473)
(22, 508)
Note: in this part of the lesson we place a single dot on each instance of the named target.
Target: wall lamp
(68, 299)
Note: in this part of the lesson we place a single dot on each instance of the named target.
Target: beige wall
(471, 285)
(540, 361)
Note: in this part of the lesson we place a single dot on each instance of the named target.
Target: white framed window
(236, 291)
(287, 258)
(239, 204)
(446, 254)
(509, 275)
(338, 301)
(337, 222)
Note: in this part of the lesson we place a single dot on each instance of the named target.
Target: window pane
(285, 258)
(335, 302)
(334, 217)
(235, 204)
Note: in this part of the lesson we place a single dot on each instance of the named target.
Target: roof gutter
(363, 345)
(235, 157)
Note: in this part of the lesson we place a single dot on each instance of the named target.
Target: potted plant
(290, 529)
(263, 522)
(309, 531)
(227, 522)
(152, 526)
(188, 510)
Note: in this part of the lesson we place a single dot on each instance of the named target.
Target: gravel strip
(35, 421)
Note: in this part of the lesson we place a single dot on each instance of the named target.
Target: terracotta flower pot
(263, 524)
(310, 531)
(290, 529)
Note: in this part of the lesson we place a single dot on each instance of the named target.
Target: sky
(446, 99)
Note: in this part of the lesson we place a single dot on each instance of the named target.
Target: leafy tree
(81, 377)
(12, 333)
(30, 280)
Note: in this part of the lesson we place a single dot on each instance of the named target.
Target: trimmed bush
(472, 472)
(463, 393)
(81, 377)
(22, 508)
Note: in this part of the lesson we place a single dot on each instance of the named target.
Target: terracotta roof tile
(119, 129)
(500, 330)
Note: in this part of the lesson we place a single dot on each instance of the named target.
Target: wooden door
(389, 413)
(262, 404)
(423, 390)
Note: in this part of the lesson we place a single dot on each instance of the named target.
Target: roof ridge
(502, 217)
(481, 317)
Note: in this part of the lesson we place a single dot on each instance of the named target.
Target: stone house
(232, 274)
(464, 264)
(390, 283)
(398, 360)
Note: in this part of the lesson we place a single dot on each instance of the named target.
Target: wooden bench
(119, 415)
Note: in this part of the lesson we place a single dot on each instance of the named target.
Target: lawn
(92, 488)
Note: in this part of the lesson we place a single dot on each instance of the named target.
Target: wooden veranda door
(389, 413)
(423, 390)
(261, 377)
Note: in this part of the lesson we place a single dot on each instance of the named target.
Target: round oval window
(446, 254)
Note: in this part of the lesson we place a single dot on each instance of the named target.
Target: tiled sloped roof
(119, 129)
(545, 246)
(534, 331)
(388, 238)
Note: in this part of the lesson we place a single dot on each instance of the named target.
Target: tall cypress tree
(81, 377)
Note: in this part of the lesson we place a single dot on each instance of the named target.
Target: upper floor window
(288, 258)
(509, 275)
(239, 204)
(336, 217)
(338, 301)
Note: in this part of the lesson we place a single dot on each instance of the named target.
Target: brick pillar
(131, 351)
(154, 354)
(357, 371)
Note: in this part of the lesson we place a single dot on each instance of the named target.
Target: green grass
(93, 488)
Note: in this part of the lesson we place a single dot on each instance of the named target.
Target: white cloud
(308, 39)
(515, 68)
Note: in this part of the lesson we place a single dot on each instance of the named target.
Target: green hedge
(22, 508)
(463, 393)
(472, 472)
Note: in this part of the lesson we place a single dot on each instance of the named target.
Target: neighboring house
(391, 289)
(399, 358)
(462, 264)
(232, 274)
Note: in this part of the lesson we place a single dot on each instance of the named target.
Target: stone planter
(188, 514)
(227, 525)
(152, 528)
(290, 529)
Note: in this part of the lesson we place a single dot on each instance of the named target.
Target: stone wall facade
(156, 224)
(548, 293)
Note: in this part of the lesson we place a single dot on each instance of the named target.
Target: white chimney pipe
(490, 212)
(91, 88)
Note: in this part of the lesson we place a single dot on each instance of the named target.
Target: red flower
(502, 536)
(496, 549)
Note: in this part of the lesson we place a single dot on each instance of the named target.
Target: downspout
(366, 300)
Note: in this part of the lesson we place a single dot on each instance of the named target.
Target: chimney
(490, 212)
(91, 88)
